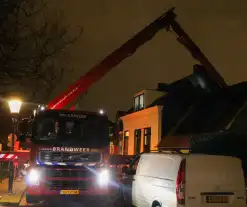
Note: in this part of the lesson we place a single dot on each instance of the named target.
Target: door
(127, 182)
(137, 141)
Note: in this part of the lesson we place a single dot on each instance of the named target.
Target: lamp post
(14, 106)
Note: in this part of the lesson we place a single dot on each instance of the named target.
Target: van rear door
(215, 180)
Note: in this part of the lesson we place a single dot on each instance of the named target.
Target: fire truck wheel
(32, 199)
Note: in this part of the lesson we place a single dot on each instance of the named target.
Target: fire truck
(67, 157)
(69, 148)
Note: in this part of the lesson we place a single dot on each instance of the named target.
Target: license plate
(217, 199)
(69, 192)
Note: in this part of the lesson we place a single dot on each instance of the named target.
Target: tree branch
(32, 55)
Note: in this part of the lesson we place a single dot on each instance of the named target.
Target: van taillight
(180, 185)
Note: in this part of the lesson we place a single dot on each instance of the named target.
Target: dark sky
(217, 26)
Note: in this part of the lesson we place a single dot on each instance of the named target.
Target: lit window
(136, 103)
(125, 143)
(139, 102)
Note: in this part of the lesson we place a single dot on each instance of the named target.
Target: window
(120, 145)
(125, 143)
(147, 140)
(139, 102)
(138, 134)
(50, 127)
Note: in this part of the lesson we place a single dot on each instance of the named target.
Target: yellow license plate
(217, 199)
(69, 192)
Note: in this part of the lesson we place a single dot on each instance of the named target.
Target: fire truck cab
(68, 155)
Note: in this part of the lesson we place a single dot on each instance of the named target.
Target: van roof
(183, 155)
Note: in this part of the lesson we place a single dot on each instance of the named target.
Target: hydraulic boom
(166, 21)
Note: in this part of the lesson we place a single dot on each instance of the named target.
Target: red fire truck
(69, 149)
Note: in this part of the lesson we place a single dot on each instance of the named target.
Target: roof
(189, 110)
(214, 111)
(195, 105)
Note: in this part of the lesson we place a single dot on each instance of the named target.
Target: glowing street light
(15, 106)
(42, 108)
(101, 111)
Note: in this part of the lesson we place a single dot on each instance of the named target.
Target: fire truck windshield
(90, 130)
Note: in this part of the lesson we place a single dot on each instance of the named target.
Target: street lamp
(101, 112)
(15, 107)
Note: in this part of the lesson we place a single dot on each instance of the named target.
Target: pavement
(13, 199)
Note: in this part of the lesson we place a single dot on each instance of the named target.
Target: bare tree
(34, 43)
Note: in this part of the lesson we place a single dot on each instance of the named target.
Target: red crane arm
(167, 21)
(196, 53)
(112, 60)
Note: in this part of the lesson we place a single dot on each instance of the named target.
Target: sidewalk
(11, 199)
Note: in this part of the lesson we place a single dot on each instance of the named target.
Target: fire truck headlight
(103, 177)
(33, 177)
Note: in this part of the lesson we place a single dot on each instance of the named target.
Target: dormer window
(139, 102)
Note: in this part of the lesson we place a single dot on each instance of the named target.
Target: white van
(171, 180)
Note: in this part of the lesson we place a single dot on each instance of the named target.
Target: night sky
(217, 26)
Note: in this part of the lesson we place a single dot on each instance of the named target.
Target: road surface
(69, 202)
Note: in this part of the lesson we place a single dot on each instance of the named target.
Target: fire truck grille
(65, 184)
(68, 157)
(58, 157)
(69, 174)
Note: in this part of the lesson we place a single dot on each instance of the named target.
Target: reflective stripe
(92, 164)
(61, 163)
(8, 156)
(78, 164)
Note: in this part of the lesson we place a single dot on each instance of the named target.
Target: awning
(175, 142)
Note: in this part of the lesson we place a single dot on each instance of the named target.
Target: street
(70, 202)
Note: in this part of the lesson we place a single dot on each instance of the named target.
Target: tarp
(175, 142)
(217, 143)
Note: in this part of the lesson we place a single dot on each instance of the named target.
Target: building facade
(141, 129)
